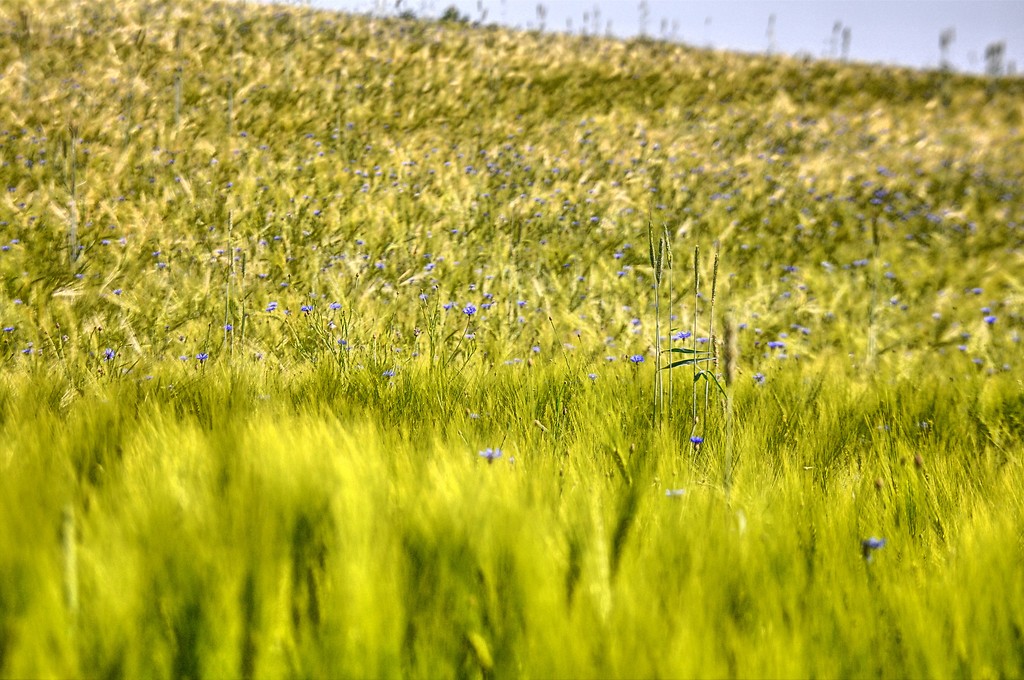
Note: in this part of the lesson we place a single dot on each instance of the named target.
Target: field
(330, 347)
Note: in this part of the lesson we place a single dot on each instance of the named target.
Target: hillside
(330, 347)
(312, 131)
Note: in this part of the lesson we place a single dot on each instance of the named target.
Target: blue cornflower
(469, 310)
(759, 378)
(869, 545)
(272, 306)
(390, 373)
(696, 441)
(202, 356)
(334, 305)
(637, 358)
(108, 354)
(491, 454)
(306, 309)
(682, 335)
(776, 344)
(228, 327)
(990, 319)
(8, 329)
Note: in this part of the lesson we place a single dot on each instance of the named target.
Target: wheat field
(341, 346)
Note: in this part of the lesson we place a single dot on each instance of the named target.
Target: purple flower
(334, 305)
(306, 309)
(202, 356)
(990, 319)
(696, 441)
(869, 545)
(759, 378)
(491, 454)
(108, 354)
(469, 310)
(272, 306)
(637, 358)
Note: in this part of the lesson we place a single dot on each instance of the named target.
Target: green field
(329, 348)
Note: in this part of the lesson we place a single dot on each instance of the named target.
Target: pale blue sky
(891, 31)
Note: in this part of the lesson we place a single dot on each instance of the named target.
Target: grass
(243, 396)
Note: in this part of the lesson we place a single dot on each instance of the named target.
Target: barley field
(337, 346)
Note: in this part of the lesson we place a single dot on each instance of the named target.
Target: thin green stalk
(228, 334)
(693, 333)
(657, 258)
(669, 312)
(713, 363)
(177, 81)
(73, 206)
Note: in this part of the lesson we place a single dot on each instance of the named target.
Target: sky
(904, 32)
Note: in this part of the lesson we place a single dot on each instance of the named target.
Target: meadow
(335, 346)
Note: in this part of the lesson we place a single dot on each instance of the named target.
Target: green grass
(309, 498)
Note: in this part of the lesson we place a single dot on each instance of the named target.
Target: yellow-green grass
(466, 269)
